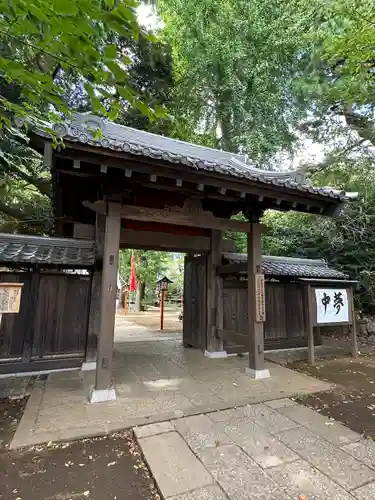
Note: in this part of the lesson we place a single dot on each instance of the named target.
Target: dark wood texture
(195, 315)
(285, 324)
(213, 261)
(173, 215)
(255, 328)
(286, 313)
(108, 300)
(94, 318)
(52, 322)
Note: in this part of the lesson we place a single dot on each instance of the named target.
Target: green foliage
(347, 243)
(150, 267)
(233, 68)
(25, 204)
(40, 39)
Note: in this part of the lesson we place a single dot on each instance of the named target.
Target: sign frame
(18, 287)
(314, 308)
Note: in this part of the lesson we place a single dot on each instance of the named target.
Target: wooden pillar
(256, 367)
(103, 390)
(214, 346)
(354, 325)
(96, 286)
(310, 326)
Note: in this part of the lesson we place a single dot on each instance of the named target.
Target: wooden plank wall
(53, 317)
(285, 324)
(195, 291)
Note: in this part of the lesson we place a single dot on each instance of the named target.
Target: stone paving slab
(201, 432)
(207, 493)
(332, 431)
(153, 429)
(329, 459)
(301, 478)
(239, 476)
(363, 450)
(174, 466)
(280, 403)
(260, 445)
(154, 381)
(366, 492)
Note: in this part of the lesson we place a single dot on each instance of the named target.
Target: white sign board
(332, 305)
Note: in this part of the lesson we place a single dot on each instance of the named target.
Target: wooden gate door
(195, 292)
(50, 330)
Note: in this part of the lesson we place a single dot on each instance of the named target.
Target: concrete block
(207, 493)
(363, 450)
(300, 478)
(174, 466)
(200, 432)
(239, 476)
(366, 492)
(257, 374)
(331, 430)
(153, 429)
(102, 395)
(329, 459)
(261, 446)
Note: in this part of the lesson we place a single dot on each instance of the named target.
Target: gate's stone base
(215, 354)
(257, 374)
(102, 395)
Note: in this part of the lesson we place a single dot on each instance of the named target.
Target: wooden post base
(102, 395)
(257, 374)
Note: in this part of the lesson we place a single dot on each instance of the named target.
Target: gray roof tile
(21, 249)
(290, 266)
(117, 137)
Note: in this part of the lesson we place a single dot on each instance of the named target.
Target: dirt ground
(108, 467)
(352, 401)
(151, 319)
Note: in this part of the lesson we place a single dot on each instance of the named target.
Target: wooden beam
(175, 216)
(155, 240)
(108, 300)
(119, 159)
(255, 328)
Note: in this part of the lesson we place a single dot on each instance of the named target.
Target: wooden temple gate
(128, 188)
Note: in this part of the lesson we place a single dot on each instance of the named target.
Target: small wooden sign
(10, 297)
(260, 302)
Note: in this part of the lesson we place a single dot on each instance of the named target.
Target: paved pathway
(128, 331)
(272, 451)
(154, 381)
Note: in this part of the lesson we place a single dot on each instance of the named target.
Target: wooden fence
(285, 325)
(50, 330)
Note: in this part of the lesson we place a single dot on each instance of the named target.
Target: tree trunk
(139, 296)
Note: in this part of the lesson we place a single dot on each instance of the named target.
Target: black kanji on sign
(326, 299)
(338, 302)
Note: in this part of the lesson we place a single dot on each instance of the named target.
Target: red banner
(133, 276)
